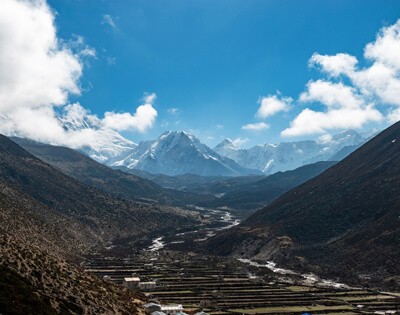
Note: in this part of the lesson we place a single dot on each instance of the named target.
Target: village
(177, 283)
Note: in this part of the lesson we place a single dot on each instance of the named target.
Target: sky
(253, 71)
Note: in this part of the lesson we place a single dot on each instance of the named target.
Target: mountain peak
(175, 134)
(226, 145)
(179, 152)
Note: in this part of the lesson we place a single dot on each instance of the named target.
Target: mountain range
(343, 223)
(240, 193)
(178, 153)
(175, 153)
(271, 158)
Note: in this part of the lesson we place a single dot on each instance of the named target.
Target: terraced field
(225, 286)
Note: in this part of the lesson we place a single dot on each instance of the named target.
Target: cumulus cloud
(38, 73)
(256, 126)
(362, 99)
(109, 20)
(334, 65)
(142, 120)
(332, 95)
(272, 104)
(313, 122)
(36, 69)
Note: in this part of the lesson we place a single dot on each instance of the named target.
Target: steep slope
(103, 214)
(272, 158)
(344, 152)
(253, 195)
(34, 280)
(92, 173)
(40, 226)
(175, 153)
(345, 220)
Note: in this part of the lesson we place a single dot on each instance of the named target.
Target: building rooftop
(134, 279)
(172, 307)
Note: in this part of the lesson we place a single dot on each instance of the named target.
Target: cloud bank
(351, 95)
(38, 73)
(256, 126)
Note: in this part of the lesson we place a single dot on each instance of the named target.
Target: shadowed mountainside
(239, 193)
(346, 220)
(47, 217)
(253, 195)
(121, 184)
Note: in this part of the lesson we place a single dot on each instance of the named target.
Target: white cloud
(332, 95)
(386, 48)
(334, 65)
(36, 69)
(240, 141)
(142, 120)
(362, 99)
(38, 73)
(272, 104)
(312, 122)
(149, 98)
(109, 20)
(256, 126)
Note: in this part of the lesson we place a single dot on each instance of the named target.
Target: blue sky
(213, 60)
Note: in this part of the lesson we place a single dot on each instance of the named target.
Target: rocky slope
(345, 222)
(34, 280)
(48, 218)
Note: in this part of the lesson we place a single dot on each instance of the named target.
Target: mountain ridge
(343, 223)
(94, 174)
(271, 158)
(175, 153)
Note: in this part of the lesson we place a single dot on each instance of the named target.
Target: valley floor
(227, 286)
(223, 285)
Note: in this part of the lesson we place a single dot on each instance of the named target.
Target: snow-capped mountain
(272, 158)
(175, 153)
(105, 143)
(109, 144)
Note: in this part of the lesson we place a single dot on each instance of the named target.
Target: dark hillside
(115, 182)
(346, 220)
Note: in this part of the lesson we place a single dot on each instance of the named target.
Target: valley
(195, 241)
(186, 157)
(178, 275)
